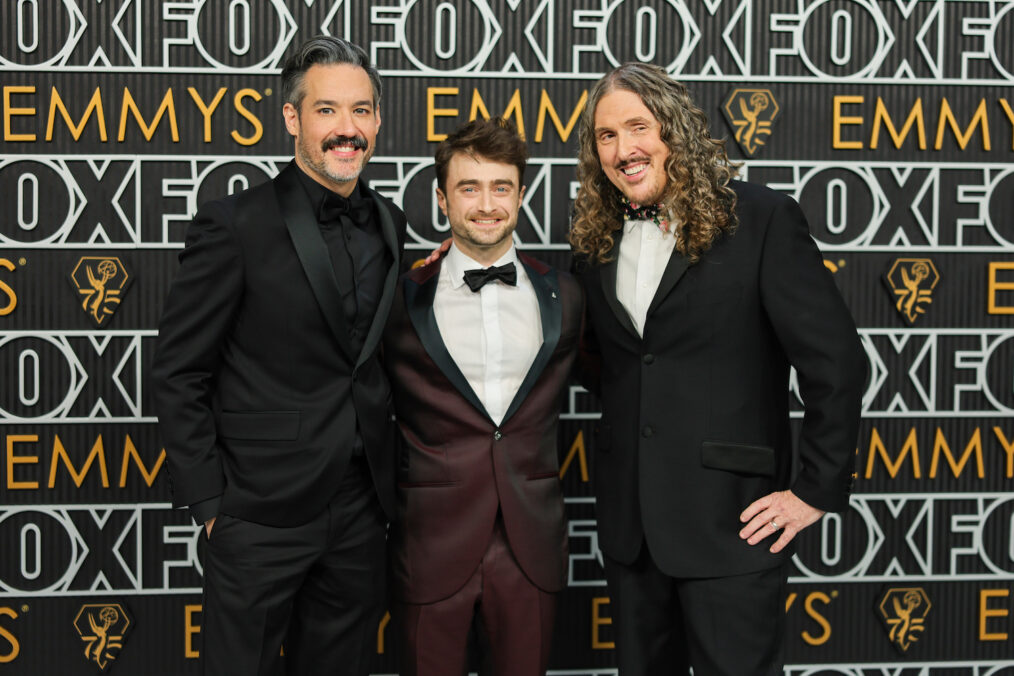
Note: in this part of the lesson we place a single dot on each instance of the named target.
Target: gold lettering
(12, 460)
(98, 453)
(985, 612)
(994, 285)
(237, 101)
(881, 116)
(842, 120)
(94, 106)
(789, 600)
(10, 111)
(546, 107)
(168, 107)
(576, 449)
(6, 634)
(599, 620)
(5, 288)
(207, 110)
(974, 444)
(384, 621)
(1010, 118)
(514, 108)
(189, 630)
(818, 618)
(1008, 447)
(130, 453)
(478, 106)
(947, 118)
(910, 447)
(432, 112)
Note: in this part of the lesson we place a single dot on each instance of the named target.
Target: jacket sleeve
(819, 337)
(197, 318)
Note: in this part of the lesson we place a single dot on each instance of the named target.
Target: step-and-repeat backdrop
(891, 121)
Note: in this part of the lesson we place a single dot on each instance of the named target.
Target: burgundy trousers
(517, 618)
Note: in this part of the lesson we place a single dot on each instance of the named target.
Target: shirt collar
(318, 192)
(456, 262)
(629, 226)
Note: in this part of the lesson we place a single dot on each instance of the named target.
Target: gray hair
(324, 50)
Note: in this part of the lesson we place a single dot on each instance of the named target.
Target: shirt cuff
(205, 510)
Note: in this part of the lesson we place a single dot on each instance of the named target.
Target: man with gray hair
(272, 404)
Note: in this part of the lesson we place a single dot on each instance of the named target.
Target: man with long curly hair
(701, 292)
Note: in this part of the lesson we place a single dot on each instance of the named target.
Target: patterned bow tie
(648, 212)
(334, 206)
(507, 273)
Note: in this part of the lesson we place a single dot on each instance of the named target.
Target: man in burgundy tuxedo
(479, 347)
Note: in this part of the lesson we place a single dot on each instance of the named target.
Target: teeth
(636, 169)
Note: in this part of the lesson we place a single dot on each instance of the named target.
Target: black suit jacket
(695, 421)
(256, 386)
(458, 468)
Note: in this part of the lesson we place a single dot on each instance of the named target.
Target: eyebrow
(475, 181)
(329, 102)
(634, 120)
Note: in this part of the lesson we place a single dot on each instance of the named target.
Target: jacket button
(497, 435)
(647, 432)
(648, 358)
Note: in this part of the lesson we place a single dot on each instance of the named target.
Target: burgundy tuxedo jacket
(456, 466)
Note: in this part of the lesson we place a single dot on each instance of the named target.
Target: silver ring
(774, 524)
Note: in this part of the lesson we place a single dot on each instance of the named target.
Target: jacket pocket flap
(734, 457)
(259, 425)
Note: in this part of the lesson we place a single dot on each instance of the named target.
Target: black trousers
(318, 588)
(726, 626)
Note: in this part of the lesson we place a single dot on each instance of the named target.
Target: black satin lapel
(608, 275)
(547, 291)
(674, 270)
(313, 254)
(390, 282)
(419, 303)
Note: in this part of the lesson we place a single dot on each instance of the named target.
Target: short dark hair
(324, 50)
(495, 139)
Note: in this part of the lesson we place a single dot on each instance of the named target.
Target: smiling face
(481, 199)
(335, 127)
(630, 147)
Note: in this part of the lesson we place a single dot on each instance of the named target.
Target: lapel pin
(553, 294)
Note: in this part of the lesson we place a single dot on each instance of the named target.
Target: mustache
(357, 142)
(632, 160)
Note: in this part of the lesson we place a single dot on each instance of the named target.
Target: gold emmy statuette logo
(911, 281)
(101, 282)
(102, 627)
(751, 112)
(904, 610)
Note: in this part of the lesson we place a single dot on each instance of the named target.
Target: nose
(486, 203)
(625, 145)
(344, 124)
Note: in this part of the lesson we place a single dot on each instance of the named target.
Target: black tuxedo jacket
(695, 422)
(457, 467)
(257, 389)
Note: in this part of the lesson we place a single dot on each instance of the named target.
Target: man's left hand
(780, 512)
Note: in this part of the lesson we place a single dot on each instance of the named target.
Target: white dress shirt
(644, 252)
(492, 334)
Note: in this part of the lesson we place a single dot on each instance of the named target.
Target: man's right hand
(209, 524)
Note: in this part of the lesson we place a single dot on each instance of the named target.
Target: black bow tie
(506, 273)
(334, 206)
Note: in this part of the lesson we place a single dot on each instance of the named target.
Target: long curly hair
(697, 195)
